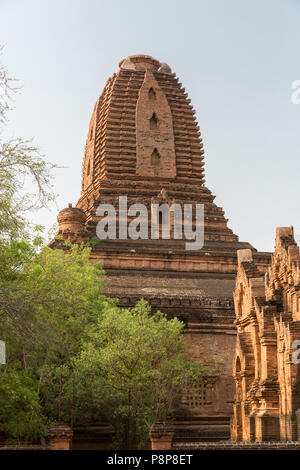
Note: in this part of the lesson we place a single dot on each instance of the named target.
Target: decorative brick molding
(237, 446)
(155, 148)
(267, 307)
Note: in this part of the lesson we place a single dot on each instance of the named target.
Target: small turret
(71, 219)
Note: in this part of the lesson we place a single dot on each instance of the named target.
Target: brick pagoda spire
(143, 137)
(144, 142)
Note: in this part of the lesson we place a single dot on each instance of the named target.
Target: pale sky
(237, 60)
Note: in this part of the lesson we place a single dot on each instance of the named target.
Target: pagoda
(144, 143)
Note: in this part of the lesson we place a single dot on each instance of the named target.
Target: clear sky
(237, 60)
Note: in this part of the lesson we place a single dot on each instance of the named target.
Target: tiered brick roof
(120, 140)
(111, 143)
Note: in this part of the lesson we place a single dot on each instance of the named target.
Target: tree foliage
(21, 166)
(135, 363)
(21, 414)
(45, 307)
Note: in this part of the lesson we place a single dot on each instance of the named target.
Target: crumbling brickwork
(267, 307)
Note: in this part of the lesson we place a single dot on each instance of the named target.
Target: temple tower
(266, 363)
(144, 143)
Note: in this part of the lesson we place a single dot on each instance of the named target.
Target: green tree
(45, 308)
(49, 303)
(20, 409)
(20, 163)
(133, 367)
